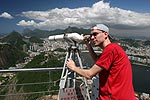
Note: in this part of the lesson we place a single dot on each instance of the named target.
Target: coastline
(144, 65)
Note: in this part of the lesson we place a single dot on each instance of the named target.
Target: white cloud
(100, 12)
(27, 23)
(6, 15)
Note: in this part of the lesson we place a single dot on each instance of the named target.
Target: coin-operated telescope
(70, 81)
(72, 37)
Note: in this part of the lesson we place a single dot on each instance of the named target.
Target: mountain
(15, 39)
(40, 33)
(77, 30)
(11, 48)
(18, 40)
(44, 34)
(10, 55)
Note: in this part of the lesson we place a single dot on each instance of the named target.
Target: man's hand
(87, 38)
(71, 64)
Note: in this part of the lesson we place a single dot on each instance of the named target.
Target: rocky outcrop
(9, 56)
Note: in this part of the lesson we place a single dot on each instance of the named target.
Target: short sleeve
(106, 58)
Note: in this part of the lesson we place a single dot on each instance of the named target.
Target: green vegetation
(41, 61)
(15, 39)
(10, 55)
(32, 77)
(13, 47)
(60, 50)
(34, 39)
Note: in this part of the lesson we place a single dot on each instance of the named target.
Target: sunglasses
(94, 34)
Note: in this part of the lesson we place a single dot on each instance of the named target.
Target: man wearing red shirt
(112, 65)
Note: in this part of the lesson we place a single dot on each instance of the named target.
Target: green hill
(11, 48)
(15, 39)
(10, 55)
(35, 77)
(34, 39)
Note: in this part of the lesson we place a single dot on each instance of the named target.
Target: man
(112, 65)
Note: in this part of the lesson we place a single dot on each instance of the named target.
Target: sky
(123, 17)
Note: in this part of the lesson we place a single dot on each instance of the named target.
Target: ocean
(141, 78)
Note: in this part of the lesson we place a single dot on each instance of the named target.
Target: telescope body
(73, 36)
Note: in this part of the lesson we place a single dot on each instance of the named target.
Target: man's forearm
(92, 53)
(82, 72)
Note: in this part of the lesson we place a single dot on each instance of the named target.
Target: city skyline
(127, 17)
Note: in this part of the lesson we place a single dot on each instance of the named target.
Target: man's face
(98, 37)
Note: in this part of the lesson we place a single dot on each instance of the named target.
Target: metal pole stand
(72, 86)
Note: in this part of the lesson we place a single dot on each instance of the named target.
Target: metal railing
(30, 69)
(14, 71)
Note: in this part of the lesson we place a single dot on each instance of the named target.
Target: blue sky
(124, 17)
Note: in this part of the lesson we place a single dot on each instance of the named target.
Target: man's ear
(106, 33)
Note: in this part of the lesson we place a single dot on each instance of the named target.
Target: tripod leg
(68, 75)
(63, 78)
(84, 79)
(64, 74)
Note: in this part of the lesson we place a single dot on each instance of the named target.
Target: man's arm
(87, 42)
(88, 73)
(92, 53)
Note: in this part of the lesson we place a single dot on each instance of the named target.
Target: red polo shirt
(116, 77)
